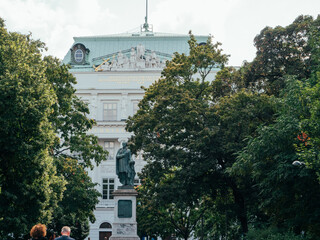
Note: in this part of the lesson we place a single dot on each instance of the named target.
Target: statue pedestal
(125, 225)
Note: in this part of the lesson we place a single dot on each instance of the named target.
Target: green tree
(239, 117)
(281, 51)
(152, 222)
(310, 131)
(70, 122)
(74, 151)
(162, 212)
(172, 118)
(308, 146)
(192, 127)
(44, 138)
(69, 118)
(284, 190)
(81, 192)
(30, 188)
(287, 194)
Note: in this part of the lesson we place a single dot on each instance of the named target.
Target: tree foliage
(189, 128)
(159, 203)
(43, 140)
(81, 193)
(27, 174)
(281, 51)
(69, 118)
(173, 115)
(233, 140)
(308, 147)
(287, 193)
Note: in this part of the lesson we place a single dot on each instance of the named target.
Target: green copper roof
(99, 48)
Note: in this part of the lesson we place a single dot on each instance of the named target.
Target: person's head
(124, 144)
(65, 231)
(38, 231)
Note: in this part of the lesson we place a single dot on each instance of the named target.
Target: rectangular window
(137, 182)
(107, 188)
(110, 111)
(109, 146)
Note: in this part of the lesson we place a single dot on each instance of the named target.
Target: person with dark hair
(51, 234)
(38, 232)
(65, 234)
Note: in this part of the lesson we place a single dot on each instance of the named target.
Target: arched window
(105, 225)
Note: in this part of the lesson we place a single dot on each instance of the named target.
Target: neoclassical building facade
(110, 71)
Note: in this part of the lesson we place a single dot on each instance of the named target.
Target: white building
(110, 71)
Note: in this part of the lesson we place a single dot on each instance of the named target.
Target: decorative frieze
(134, 59)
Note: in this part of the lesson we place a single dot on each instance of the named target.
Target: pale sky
(234, 23)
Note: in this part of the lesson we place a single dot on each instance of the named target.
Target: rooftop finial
(146, 27)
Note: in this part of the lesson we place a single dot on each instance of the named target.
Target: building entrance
(104, 235)
(105, 231)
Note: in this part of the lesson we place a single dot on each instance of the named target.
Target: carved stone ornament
(133, 59)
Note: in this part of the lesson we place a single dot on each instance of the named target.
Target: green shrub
(272, 234)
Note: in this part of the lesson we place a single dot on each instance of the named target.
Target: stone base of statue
(125, 225)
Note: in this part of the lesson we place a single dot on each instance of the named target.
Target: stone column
(94, 106)
(125, 225)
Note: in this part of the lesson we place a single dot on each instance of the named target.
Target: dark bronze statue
(125, 166)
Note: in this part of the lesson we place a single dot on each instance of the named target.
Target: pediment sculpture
(137, 58)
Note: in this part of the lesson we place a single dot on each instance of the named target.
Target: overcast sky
(234, 23)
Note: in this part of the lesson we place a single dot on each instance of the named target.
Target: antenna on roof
(146, 27)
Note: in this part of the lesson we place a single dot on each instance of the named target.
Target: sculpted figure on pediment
(133, 58)
(122, 60)
(141, 60)
(155, 61)
(140, 51)
(114, 63)
(148, 61)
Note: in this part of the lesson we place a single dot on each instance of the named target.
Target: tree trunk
(241, 208)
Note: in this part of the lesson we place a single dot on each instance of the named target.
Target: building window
(135, 107)
(105, 225)
(110, 111)
(109, 146)
(137, 182)
(107, 188)
(138, 156)
(78, 55)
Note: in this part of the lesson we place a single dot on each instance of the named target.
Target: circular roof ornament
(78, 55)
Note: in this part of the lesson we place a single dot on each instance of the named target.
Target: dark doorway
(104, 235)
